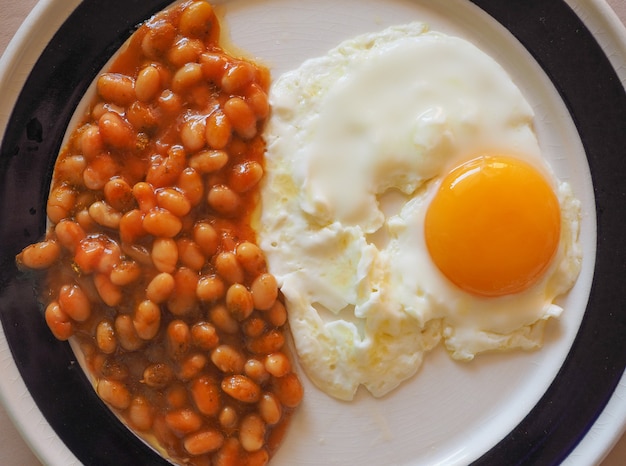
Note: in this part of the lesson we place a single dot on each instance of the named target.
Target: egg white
(381, 116)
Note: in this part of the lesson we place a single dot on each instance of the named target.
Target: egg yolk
(493, 226)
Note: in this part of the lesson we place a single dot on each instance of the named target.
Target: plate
(501, 409)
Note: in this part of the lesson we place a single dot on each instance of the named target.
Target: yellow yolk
(494, 225)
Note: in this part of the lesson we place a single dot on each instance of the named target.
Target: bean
(192, 134)
(61, 201)
(277, 364)
(148, 83)
(228, 268)
(58, 321)
(206, 237)
(269, 342)
(84, 220)
(126, 333)
(253, 327)
(145, 196)
(147, 319)
(158, 39)
(288, 390)
(40, 255)
(239, 301)
(88, 254)
(206, 396)
(70, 168)
(105, 215)
(105, 337)
(116, 88)
(125, 273)
(270, 409)
(210, 288)
(98, 171)
(74, 302)
(252, 432)
(245, 176)
(208, 161)
(229, 454)
(114, 393)
(162, 223)
(241, 117)
(160, 288)
(228, 238)
(237, 77)
(116, 132)
(190, 254)
(218, 130)
(85, 199)
(203, 442)
(204, 336)
(224, 200)
(138, 253)
(228, 417)
(264, 291)
(191, 366)
(112, 369)
(201, 95)
(241, 388)
(176, 396)
(165, 171)
(110, 293)
(158, 375)
(277, 314)
(213, 66)
(163, 434)
(110, 257)
(223, 320)
(257, 98)
(143, 118)
(164, 254)
(257, 458)
(169, 102)
(101, 108)
(178, 338)
(238, 148)
(173, 200)
(69, 234)
(186, 77)
(184, 300)
(197, 20)
(91, 142)
(140, 414)
(185, 51)
(191, 184)
(255, 369)
(183, 421)
(118, 194)
(227, 359)
(131, 226)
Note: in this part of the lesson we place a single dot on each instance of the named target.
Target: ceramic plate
(512, 408)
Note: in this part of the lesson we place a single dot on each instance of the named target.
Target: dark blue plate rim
(569, 55)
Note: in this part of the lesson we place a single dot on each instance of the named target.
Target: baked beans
(151, 262)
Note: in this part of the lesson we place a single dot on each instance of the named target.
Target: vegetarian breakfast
(196, 222)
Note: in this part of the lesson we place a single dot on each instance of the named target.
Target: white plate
(450, 413)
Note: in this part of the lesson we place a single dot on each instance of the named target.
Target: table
(13, 450)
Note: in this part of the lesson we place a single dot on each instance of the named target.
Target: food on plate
(152, 266)
(407, 202)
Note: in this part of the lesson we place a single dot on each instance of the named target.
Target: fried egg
(397, 211)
